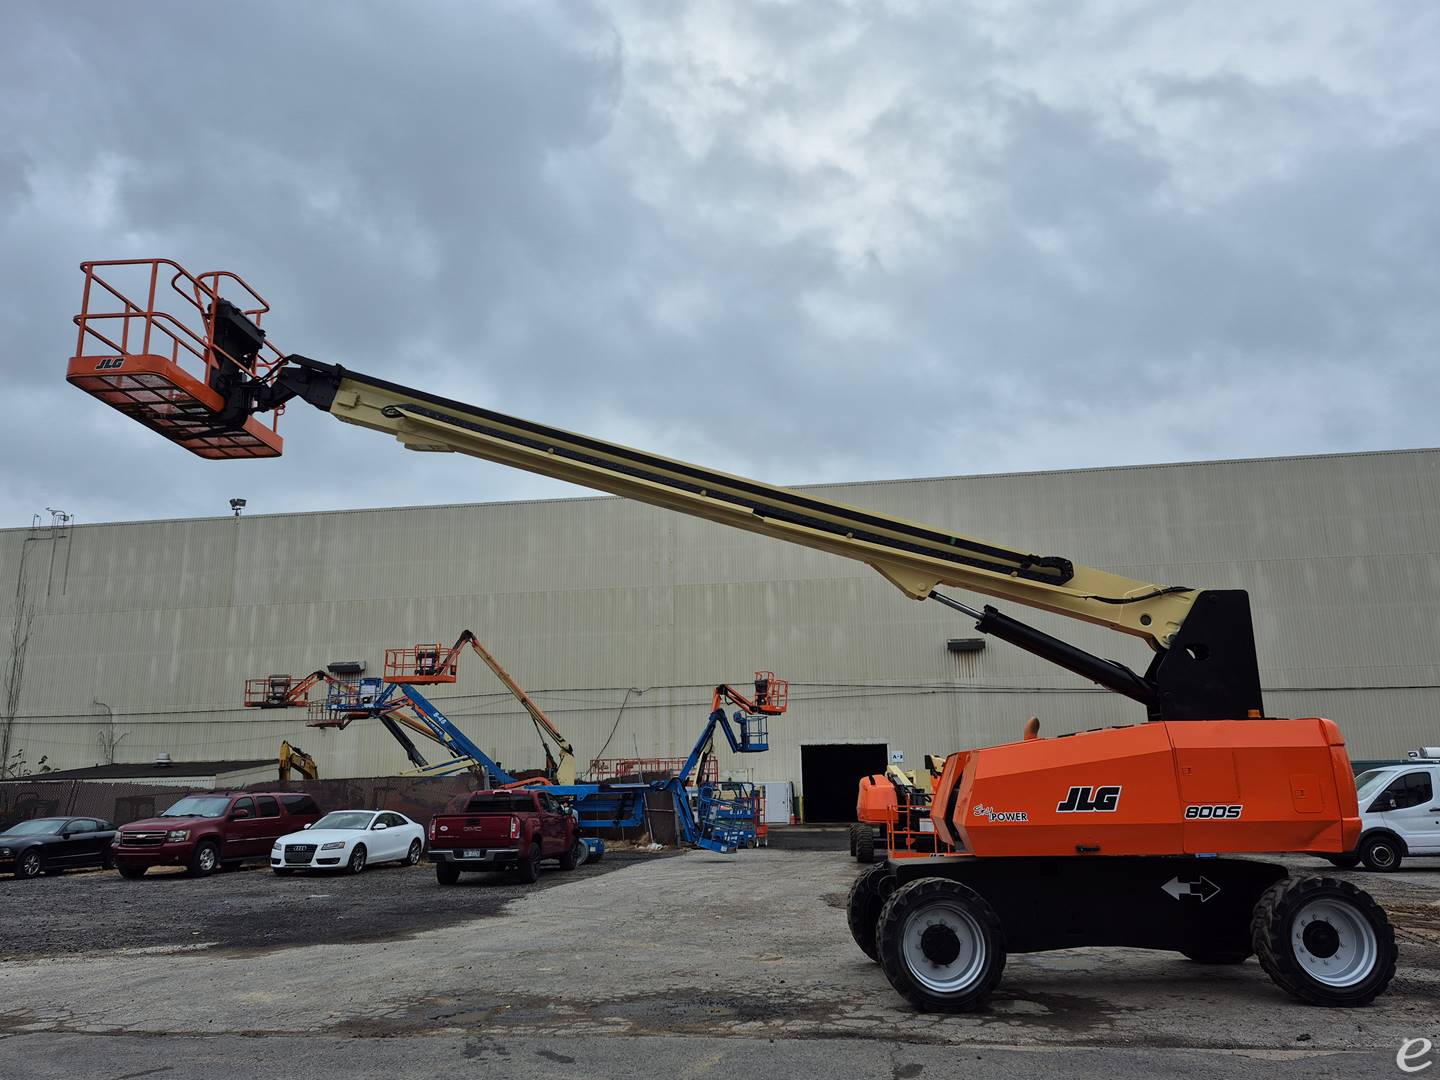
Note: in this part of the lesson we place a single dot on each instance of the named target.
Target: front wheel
(1324, 941)
(1381, 853)
(447, 873)
(205, 860)
(28, 865)
(529, 869)
(357, 860)
(941, 945)
(412, 857)
(574, 857)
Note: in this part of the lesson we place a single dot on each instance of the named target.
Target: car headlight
(332, 845)
(6, 852)
(176, 835)
(275, 846)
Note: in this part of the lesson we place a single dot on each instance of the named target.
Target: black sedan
(53, 845)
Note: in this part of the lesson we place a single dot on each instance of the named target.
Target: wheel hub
(940, 944)
(1320, 939)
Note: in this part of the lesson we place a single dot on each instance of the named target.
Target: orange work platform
(159, 365)
(422, 665)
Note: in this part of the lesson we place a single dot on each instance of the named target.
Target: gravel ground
(251, 908)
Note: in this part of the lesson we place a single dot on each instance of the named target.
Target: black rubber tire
(853, 830)
(107, 860)
(864, 844)
(447, 873)
(915, 897)
(356, 863)
(28, 865)
(574, 857)
(1217, 956)
(1381, 853)
(412, 857)
(1271, 929)
(528, 869)
(862, 906)
(1342, 862)
(131, 873)
(200, 866)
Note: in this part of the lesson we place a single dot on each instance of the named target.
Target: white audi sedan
(350, 839)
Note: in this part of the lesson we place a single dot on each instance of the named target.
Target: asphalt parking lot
(700, 965)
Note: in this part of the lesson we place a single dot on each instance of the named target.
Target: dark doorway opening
(831, 777)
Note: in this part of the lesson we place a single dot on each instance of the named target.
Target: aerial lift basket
(155, 342)
(272, 692)
(422, 665)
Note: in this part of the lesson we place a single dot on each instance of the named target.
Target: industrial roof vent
(162, 760)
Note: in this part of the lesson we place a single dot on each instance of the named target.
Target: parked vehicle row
(510, 830)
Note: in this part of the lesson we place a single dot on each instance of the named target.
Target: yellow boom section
(915, 558)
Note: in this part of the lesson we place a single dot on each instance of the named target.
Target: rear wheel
(865, 844)
(941, 945)
(1381, 853)
(412, 857)
(1324, 940)
(529, 869)
(205, 860)
(447, 873)
(357, 860)
(862, 908)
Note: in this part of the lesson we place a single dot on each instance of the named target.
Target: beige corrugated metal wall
(160, 622)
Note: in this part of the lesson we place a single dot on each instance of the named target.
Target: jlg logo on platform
(1082, 800)
(110, 364)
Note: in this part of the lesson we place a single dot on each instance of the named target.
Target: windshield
(37, 825)
(199, 806)
(1370, 781)
(345, 819)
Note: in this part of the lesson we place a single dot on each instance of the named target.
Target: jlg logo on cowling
(110, 364)
(1083, 800)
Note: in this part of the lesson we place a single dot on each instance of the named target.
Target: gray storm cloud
(806, 242)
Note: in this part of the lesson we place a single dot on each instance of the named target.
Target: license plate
(472, 853)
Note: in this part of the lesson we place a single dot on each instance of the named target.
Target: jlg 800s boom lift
(1111, 837)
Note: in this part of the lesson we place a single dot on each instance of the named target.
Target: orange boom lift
(1123, 836)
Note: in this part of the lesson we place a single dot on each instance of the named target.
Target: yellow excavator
(293, 758)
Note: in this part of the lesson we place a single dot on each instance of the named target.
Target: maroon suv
(203, 830)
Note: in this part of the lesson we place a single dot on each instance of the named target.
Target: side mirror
(239, 814)
(378, 826)
(307, 825)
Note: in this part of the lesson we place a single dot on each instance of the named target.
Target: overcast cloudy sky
(800, 241)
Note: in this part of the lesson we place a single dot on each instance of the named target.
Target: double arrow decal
(1204, 888)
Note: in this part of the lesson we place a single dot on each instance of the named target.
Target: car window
(345, 819)
(267, 806)
(393, 820)
(246, 804)
(198, 806)
(36, 826)
(82, 825)
(299, 804)
(1407, 790)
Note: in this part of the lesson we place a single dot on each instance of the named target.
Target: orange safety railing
(646, 769)
(777, 693)
(909, 832)
(272, 692)
(154, 360)
(422, 665)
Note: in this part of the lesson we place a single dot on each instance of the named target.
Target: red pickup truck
(503, 830)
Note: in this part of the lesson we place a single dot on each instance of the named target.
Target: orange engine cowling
(1162, 788)
(876, 801)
